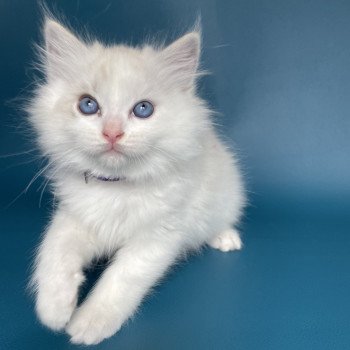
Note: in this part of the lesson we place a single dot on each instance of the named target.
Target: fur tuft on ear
(62, 50)
(180, 60)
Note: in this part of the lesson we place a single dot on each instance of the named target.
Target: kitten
(138, 171)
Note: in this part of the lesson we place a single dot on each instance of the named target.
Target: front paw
(56, 302)
(54, 311)
(91, 324)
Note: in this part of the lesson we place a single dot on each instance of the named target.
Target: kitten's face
(118, 111)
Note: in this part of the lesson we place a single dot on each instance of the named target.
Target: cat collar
(88, 175)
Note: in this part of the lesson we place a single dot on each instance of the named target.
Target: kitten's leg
(136, 268)
(58, 270)
(226, 241)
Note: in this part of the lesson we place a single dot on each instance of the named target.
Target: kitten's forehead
(123, 58)
(120, 71)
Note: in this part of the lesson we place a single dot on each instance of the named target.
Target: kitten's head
(118, 110)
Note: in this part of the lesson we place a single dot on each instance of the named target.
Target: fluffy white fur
(182, 188)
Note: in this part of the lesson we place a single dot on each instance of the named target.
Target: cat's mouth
(113, 150)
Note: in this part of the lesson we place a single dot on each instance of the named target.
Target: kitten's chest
(116, 212)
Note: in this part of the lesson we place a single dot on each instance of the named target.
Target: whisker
(17, 154)
(43, 190)
(51, 163)
(19, 164)
(171, 157)
(40, 172)
(29, 184)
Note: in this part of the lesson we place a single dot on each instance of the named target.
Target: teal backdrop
(281, 84)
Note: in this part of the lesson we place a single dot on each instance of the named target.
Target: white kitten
(137, 169)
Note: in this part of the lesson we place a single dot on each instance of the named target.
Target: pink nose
(112, 135)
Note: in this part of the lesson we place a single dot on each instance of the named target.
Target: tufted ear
(180, 60)
(63, 50)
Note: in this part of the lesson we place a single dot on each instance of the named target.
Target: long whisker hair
(52, 167)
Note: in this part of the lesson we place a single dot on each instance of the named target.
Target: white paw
(226, 241)
(55, 310)
(56, 302)
(91, 324)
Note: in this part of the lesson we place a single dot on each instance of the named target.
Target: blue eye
(88, 105)
(143, 109)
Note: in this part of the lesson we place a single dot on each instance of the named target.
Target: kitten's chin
(128, 163)
(111, 159)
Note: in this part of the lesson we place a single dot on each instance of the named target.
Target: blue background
(281, 82)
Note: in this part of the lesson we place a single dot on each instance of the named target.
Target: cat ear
(63, 50)
(180, 60)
